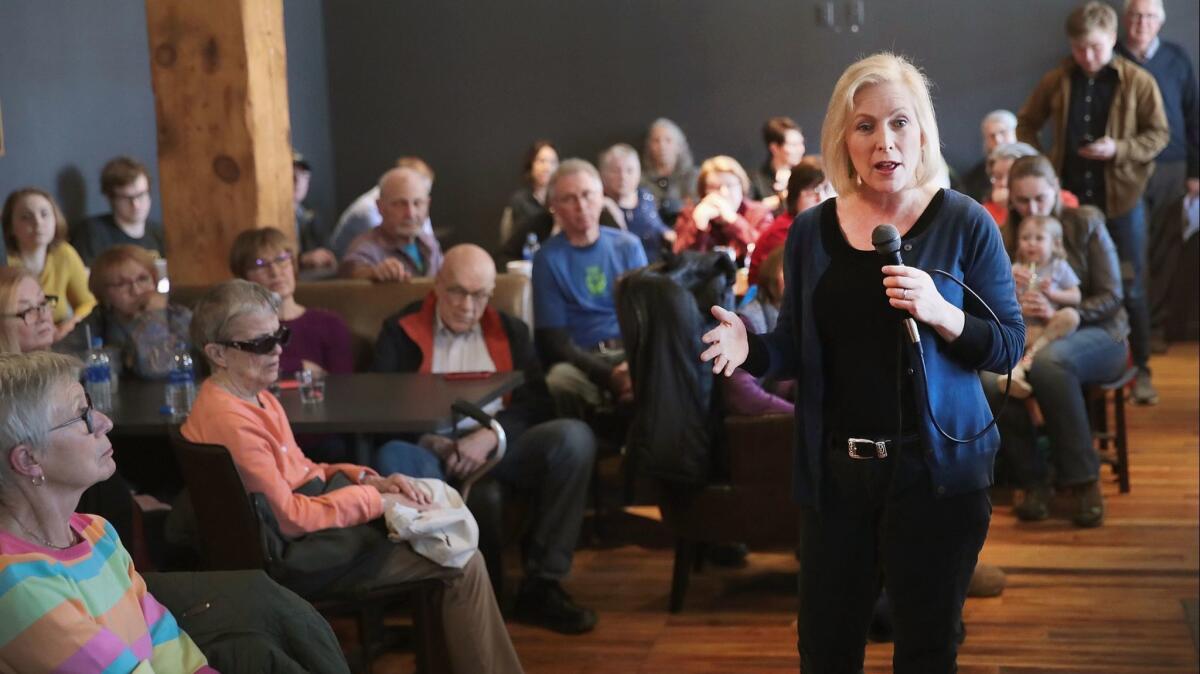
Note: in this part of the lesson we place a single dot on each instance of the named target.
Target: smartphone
(453, 376)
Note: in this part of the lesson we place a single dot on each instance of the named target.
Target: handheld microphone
(886, 239)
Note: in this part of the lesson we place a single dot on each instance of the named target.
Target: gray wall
(75, 91)
(467, 84)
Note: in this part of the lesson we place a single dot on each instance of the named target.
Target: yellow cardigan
(65, 276)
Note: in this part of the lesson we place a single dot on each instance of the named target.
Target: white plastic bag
(446, 533)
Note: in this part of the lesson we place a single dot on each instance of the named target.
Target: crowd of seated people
(1071, 215)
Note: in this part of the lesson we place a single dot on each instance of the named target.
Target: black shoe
(544, 603)
(728, 555)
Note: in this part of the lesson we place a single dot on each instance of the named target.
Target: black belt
(871, 448)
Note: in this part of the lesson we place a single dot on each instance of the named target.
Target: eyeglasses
(130, 198)
(458, 293)
(263, 345)
(32, 314)
(143, 281)
(262, 263)
(86, 418)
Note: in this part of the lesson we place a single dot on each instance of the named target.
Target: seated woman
(237, 327)
(320, 340)
(998, 164)
(1096, 352)
(632, 207)
(668, 170)
(806, 188)
(526, 212)
(744, 393)
(25, 312)
(35, 233)
(73, 600)
(724, 216)
(133, 318)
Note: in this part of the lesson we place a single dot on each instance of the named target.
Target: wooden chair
(1097, 397)
(754, 506)
(233, 538)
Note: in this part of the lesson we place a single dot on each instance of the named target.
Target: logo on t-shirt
(597, 280)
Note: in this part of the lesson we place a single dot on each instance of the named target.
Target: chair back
(230, 528)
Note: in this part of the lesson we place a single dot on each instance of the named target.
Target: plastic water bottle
(98, 376)
(530, 248)
(181, 385)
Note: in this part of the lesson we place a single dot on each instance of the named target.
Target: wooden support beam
(224, 154)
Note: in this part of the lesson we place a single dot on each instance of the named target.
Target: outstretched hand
(729, 346)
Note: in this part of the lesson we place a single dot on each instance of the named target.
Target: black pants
(881, 522)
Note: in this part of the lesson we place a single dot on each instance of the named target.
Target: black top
(97, 234)
(862, 337)
(1087, 120)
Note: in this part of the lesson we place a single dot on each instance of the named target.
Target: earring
(39, 480)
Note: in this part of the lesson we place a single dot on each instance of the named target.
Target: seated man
(574, 273)
(362, 215)
(785, 149)
(998, 128)
(398, 248)
(454, 330)
(310, 236)
(126, 184)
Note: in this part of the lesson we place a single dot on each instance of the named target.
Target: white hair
(1008, 119)
(1159, 3)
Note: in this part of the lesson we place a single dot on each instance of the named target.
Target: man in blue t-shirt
(573, 278)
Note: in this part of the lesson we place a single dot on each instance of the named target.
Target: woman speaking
(885, 496)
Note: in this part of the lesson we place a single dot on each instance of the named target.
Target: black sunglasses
(265, 344)
(86, 417)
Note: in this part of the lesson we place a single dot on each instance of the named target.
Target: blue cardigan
(961, 239)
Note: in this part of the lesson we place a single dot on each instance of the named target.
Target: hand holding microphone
(912, 290)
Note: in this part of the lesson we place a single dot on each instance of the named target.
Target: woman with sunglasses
(320, 340)
(35, 233)
(74, 600)
(238, 329)
(133, 318)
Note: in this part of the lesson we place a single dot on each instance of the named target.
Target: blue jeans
(553, 460)
(1129, 234)
(1059, 373)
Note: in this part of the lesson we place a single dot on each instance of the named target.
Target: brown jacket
(1136, 121)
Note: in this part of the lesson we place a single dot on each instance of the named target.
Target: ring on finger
(906, 293)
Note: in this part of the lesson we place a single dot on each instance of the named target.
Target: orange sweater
(271, 463)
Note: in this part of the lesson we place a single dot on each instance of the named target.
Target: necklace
(36, 537)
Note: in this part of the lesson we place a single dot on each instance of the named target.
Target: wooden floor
(1106, 601)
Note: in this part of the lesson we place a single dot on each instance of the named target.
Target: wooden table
(354, 403)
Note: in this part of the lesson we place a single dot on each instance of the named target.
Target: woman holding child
(1094, 353)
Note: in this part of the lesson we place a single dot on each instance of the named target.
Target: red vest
(419, 328)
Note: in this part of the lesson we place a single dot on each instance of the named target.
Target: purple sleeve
(338, 351)
(744, 396)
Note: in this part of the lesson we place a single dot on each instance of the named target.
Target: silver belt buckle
(880, 447)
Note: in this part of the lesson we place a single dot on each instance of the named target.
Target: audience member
(785, 149)
(328, 514)
(806, 188)
(126, 184)
(454, 330)
(27, 324)
(73, 599)
(1177, 167)
(724, 216)
(998, 128)
(363, 215)
(399, 248)
(133, 318)
(526, 211)
(630, 206)
(995, 199)
(877, 498)
(1094, 353)
(36, 233)
(668, 170)
(573, 278)
(320, 340)
(1095, 93)
(1041, 256)
(746, 394)
(310, 238)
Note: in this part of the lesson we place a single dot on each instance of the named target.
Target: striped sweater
(85, 609)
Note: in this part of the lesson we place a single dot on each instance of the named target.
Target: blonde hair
(1053, 227)
(1089, 17)
(722, 164)
(881, 68)
(10, 278)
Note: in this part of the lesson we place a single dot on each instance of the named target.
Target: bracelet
(362, 477)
